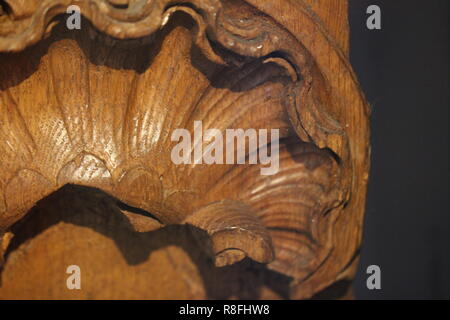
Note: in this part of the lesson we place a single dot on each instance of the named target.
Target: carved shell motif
(97, 107)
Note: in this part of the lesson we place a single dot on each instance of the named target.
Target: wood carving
(96, 108)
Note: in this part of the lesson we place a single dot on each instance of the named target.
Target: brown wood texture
(86, 175)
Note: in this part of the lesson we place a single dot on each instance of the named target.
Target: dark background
(404, 72)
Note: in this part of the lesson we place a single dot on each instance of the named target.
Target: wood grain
(86, 118)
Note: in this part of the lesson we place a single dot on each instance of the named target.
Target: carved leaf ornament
(99, 106)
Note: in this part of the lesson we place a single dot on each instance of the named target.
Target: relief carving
(96, 107)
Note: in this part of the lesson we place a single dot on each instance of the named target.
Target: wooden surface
(86, 178)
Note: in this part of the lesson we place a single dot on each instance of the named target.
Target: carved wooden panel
(86, 123)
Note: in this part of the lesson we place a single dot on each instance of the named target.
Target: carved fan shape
(104, 118)
(97, 107)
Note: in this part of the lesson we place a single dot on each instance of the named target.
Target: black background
(404, 72)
